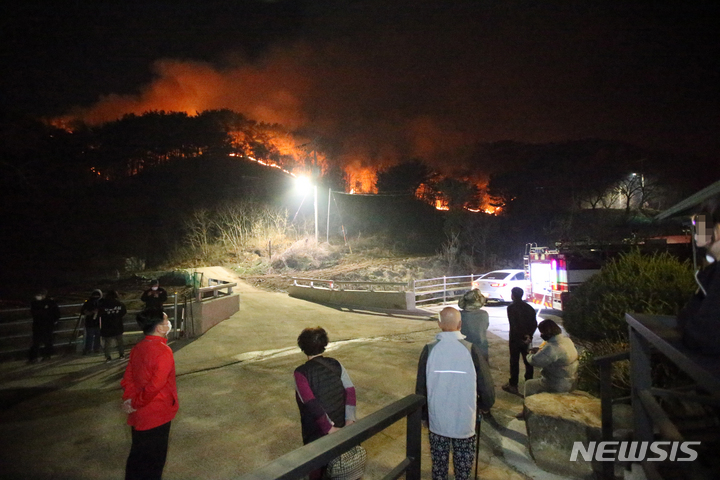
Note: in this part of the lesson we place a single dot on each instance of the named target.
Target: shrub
(589, 372)
(656, 284)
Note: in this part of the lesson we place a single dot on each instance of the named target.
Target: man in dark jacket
(91, 317)
(154, 297)
(112, 312)
(699, 321)
(522, 328)
(45, 313)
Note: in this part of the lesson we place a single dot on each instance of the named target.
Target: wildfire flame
(360, 178)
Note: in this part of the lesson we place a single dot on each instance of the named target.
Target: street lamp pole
(316, 212)
(327, 231)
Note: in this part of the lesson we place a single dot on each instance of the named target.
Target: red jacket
(149, 382)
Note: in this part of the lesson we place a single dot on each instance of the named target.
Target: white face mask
(39, 297)
(169, 327)
(155, 288)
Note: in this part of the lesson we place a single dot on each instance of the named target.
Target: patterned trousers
(463, 456)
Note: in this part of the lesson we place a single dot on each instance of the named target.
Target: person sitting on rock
(558, 359)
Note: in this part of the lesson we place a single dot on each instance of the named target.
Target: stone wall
(208, 313)
(355, 298)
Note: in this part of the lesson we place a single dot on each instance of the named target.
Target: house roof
(687, 205)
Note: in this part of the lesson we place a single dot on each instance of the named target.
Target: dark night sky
(383, 79)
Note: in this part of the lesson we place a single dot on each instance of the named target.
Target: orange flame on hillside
(360, 178)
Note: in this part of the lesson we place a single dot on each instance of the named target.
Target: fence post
(175, 318)
(413, 442)
(444, 290)
(640, 380)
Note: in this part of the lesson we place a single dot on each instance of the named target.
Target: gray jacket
(456, 379)
(558, 359)
(474, 326)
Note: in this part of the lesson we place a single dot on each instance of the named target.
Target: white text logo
(635, 451)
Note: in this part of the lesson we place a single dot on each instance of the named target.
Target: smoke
(381, 85)
(270, 92)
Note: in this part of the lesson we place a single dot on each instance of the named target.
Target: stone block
(554, 422)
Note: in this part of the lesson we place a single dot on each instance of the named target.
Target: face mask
(39, 297)
(169, 327)
(545, 337)
(154, 288)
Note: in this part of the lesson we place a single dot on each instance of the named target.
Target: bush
(657, 284)
(589, 372)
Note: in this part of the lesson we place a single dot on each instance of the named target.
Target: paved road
(237, 407)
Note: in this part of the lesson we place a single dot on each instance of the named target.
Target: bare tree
(198, 230)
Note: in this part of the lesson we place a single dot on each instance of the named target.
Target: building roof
(686, 206)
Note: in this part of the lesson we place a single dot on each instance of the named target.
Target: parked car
(496, 285)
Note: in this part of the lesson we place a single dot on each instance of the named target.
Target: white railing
(441, 290)
(350, 285)
(215, 288)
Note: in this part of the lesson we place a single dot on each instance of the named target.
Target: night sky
(383, 80)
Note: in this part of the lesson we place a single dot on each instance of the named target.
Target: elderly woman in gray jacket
(475, 322)
(558, 359)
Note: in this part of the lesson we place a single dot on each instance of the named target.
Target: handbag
(348, 466)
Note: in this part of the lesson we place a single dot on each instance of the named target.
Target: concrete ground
(61, 419)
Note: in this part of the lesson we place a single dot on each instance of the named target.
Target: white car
(498, 284)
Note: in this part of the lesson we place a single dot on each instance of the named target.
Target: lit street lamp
(305, 184)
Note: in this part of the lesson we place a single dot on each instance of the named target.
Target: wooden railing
(298, 463)
(650, 335)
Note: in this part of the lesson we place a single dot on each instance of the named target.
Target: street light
(304, 184)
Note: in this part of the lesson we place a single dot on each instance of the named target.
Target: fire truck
(553, 273)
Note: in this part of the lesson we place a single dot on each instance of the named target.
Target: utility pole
(316, 212)
(327, 230)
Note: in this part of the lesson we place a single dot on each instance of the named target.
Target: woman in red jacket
(150, 397)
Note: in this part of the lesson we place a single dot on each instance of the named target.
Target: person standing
(699, 321)
(475, 321)
(46, 314)
(91, 317)
(150, 397)
(324, 393)
(154, 297)
(112, 311)
(558, 359)
(523, 324)
(456, 380)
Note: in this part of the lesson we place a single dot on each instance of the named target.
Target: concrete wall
(355, 298)
(209, 313)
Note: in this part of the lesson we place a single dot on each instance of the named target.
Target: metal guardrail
(298, 463)
(349, 285)
(442, 289)
(16, 333)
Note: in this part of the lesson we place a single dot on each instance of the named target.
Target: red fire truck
(553, 274)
